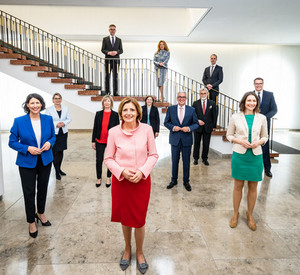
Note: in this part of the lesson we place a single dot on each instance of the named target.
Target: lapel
(185, 114)
(43, 125)
(243, 119)
(177, 115)
(54, 112)
(29, 127)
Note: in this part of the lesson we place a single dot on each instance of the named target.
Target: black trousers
(111, 66)
(205, 145)
(266, 156)
(100, 149)
(35, 179)
(57, 160)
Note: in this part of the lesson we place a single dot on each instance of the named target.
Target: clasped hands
(60, 125)
(131, 175)
(246, 144)
(183, 129)
(112, 53)
(37, 151)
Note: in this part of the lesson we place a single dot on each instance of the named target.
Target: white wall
(278, 65)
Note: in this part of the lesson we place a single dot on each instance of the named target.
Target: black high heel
(33, 234)
(47, 223)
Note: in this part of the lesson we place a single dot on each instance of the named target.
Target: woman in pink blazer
(248, 131)
(130, 156)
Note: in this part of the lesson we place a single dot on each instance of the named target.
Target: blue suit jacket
(190, 120)
(268, 106)
(22, 136)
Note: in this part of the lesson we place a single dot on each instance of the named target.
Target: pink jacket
(134, 150)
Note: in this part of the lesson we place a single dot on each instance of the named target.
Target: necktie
(203, 108)
(259, 99)
(211, 70)
(113, 41)
(180, 114)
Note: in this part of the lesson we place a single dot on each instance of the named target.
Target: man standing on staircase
(112, 48)
(268, 107)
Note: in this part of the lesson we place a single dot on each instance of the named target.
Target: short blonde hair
(111, 101)
(135, 103)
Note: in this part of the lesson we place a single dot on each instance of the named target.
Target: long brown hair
(243, 102)
(165, 44)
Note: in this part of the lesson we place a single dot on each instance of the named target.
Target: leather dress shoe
(187, 186)
(205, 162)
(234, 223)
(251, 225)
(124, 263)
(268, 173)
(142, 267)
(62, 173)
(195, 162)
(172, 184)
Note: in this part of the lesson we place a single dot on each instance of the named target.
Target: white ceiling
(228, 21)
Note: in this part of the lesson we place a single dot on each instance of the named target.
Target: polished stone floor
(186, 232)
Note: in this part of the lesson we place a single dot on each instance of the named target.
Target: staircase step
(274, 154)
(61, 80)
(12, 56)
(37, 69)
(24, 62)
(88, 92)
(50, 74)
(5, 50)
(118, 98)
(161, 104)
(219, 132)
(75, 86)
(164, 110)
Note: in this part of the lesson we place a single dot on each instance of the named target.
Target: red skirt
(130, 201)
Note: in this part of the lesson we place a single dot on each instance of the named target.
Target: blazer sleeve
(204, 78)
(67, 119)
(166, 60)
(156, 113)
(152, 156)
(53, 137)
(219, 79)
(231, 130)
(104, 47)
(264, 130)
(95, 128)
(14, 139)
(168, 122)
(195, 124)
(109, 159)
(120, 49)
(273, 108)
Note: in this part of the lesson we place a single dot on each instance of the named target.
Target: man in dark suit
(206, 114)
(112, 48)
(181, 120)
(268, 108)
(213, 77)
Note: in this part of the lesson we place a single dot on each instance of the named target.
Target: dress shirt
(261, 95)
(36, 125)
(205, 104)
(110, 37)
(178, 111)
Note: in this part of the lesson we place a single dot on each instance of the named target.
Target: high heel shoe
(251, 225)
(47, 223)
(98, 184)
(33, 234)
(233, 223)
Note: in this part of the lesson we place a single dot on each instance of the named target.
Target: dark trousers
(113, 68)
(57, 160)
(205, 144)
(186, 155)
(32, 179)
(266, 156)
(100, 149)
(213, 96)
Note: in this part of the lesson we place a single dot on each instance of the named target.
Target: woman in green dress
(247, 130)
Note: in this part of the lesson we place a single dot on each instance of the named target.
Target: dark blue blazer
(268, 106)
(216, 79)
(22, 136)
(190, 120)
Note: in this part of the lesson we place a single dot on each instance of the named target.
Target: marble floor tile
(186, 232)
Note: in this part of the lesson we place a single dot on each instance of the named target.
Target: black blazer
(216, 79)
(209, 118)
(154, 118)
(107, 47)
(113, 121)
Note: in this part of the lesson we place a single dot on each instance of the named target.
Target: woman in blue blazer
(33, 136)
(61, 119)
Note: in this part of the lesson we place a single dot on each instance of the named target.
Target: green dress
(247, 166)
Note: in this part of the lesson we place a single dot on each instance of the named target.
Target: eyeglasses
(259, 83)
(112, 29)
(181, 97)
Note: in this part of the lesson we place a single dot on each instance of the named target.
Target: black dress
(61, 139)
